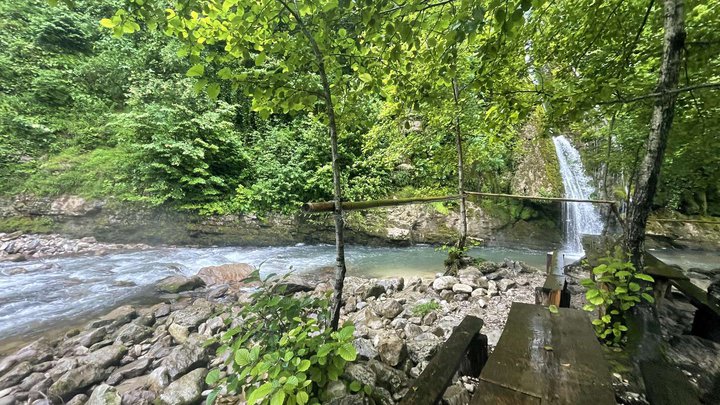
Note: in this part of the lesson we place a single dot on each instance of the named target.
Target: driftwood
(539, 198)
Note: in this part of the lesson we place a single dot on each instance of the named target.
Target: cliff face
(109, 221)
(538, 170)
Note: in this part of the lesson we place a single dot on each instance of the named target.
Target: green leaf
(242, 357)
(213, 91)
(355, 386)
(196, 70)
(553, 309)
(304, 365)
(302, 397)
(649, 298)
(646, 277)
(278, 398)
(260, 393)
(213, 395)
(107, 23)
(260, 59)
(365, 77)
(347, 352)
(212, 377)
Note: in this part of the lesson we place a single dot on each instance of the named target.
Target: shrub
(281, 352)
(617, 287)
(423, 309)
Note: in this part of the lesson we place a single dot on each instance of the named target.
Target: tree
(662, 118)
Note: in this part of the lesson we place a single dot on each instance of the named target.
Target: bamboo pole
(529, 197)
(329, 206)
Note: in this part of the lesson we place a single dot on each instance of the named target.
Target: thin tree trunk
(461, 188)
(340, 268)
(660, 124)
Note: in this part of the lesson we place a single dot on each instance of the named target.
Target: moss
(26, 224)
(552, 166)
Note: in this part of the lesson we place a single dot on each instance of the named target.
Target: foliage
(425, 308)
(26, 224)
(617, 287)
(281, 351)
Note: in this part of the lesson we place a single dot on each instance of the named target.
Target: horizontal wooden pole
(530, 197)
(329, 206)
(689, 221)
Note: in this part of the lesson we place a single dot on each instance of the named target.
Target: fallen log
(531, 197)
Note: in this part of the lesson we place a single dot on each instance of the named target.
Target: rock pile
(17, 246)
(157, 354)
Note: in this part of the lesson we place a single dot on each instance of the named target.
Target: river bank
(138, 354)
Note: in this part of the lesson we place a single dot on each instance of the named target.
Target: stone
(360, 372)
(132, 333)
(492, 289)
(365, 348)
(335, 389)
(35, 352)
(412, 330)
(351, 304)
(131, 370)
(178, 332)
(444, 283)
(381, 396)
(104, 394)
(161, 310)
(390, 378)
(79, 399)
(423, 346)
(456, 395)
(430, 318)
(105, 357)
(218, 291)
(30, 381)
(462, 288)
(182, 358)
(470, 276)
(15, 375)
(186, 390)
(139, 397)
(193, 315)
(447, 295)
(375, 290)
(505, 284)
(391, 348)
(389, 309)
(233, 274)
(76, 380)
(176, 284)
(291, 285)
(118, 316)
(392, 284)
(89, 338)
(480, 292)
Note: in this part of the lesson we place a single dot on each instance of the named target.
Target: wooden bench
(706, 323)
(554, 291)
(466, 349)
(546, 358)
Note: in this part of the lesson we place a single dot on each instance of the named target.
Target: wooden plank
(667, 385)
(553, 292)
(490, 394)
(656, 268)
(429, 387)
(555, 357)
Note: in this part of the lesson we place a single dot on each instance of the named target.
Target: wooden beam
(689, 221)
(329, 206)
(533, 197)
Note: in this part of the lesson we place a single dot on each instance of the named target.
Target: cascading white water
(578, 218)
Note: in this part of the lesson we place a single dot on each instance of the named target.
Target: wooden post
(549, 262)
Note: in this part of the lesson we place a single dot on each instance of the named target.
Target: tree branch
(658, 94)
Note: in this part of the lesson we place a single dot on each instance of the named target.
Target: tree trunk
(660, 124)
(461, 188)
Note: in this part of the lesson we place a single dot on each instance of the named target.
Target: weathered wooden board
(553, 292)
(490, 394)
(656, 268)
(429, 387)
(553, 357)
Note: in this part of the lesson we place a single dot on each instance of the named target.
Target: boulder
(291, 285)
(35, 352)
(130, 370)
(335, 390)
(392, 284)
(423, 346)
(76, 380)
(15, 375)
(104, 394)
(505, 284)
(389, 308)
(456, 394)
(218, 291)
(390, 378)
(375, 290)
(118, 316)
(365, 348)
(232, 274)
(79, 399)
(360, 372)
(444, 283)
(182, 358)
(176, 284)
(104, 357)
(186, 390)
(179, 332)
(470, 276)
(462, 288)
(132, 333)
(391, 348)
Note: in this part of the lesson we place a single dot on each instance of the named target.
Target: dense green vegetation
(83, 112)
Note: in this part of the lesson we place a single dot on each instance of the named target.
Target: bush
(423, 309)
(281, 352)
(617, 287)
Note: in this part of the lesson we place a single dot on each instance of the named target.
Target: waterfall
(578, 218)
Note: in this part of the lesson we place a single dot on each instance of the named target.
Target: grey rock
(104, 394)
(412, 330)
(335, 390)
(77, 379)
(118, 316)
(179, 332)
(389, 309)
(193, 315)
(444, 283)
(505, 284)
(90, 337)
(133, 369)
(186, 390)
(79, 399)
(456, 395)
(105, 357)
(31, 381)
(218, 291)
(393, 284)
(390, 378)
(35, 352)
(423, 346)
(360, 372)
(184, 358)
(15, 375)
(375, 290)
(132, 333)
(462, 288)
(176, 284)
(365, 348)
(391, 348)
(139, 397)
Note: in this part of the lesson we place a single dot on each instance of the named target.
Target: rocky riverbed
(144, 354)
(18, 247)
